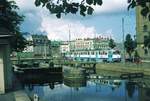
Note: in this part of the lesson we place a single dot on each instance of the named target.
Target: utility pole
(45, 49)
(123, 40)
(69, 42)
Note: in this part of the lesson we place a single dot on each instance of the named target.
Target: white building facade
(88, 49)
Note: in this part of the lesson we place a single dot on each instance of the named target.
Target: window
(145, 28)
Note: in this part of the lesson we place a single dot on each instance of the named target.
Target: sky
(106, 21)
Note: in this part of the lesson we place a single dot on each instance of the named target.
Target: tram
(105, 56)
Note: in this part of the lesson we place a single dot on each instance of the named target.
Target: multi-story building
(29, 47)
(86, 48)
(101, 43)
(41, 45)
(55, 49)
(38, 46)
(142, 31)
(64, 47)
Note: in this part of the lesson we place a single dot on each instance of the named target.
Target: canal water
(90, 90)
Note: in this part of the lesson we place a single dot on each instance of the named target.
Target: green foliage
(11, 20)
(18, 42)
(85, 6)
(144, 4)
(69, 6)
(129, 44)
(112, 44)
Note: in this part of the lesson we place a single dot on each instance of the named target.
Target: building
(29, 48)
(6, 73)
(85, 49)
(101, 43)
(41, 45)
(142, 30)
(55, 49)
(64, 47)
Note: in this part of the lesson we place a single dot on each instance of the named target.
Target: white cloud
(58, 29)
(111, 6)
(26, 5)
(108, 6)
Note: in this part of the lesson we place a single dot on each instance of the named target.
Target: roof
(2, 36)
(39, 36)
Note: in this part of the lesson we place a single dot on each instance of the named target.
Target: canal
(74, 89)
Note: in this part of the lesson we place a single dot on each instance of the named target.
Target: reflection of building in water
(144, 92)
(111, 83)
(131, 88)
(75, 82)
(74, 77)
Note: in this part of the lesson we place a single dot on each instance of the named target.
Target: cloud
(108, 6)
(59, 29)
(111, 6)
(39, 20)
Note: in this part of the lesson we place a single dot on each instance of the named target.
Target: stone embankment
(119, 68)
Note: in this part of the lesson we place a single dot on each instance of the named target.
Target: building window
(145, 28)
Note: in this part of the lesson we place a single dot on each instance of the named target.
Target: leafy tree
(19, 42)
(11, 20)
(144, 4)
(59, 7)
(112, 44)
(129, 45)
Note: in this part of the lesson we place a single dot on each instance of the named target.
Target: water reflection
(75, 86)
(131, 87)
(90, 90)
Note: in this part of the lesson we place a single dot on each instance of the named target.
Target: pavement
(15, 96)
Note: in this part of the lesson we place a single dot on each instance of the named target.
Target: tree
(129, 45)
(59, 7)
(112, 44)
(144, 4)
(18, 42)
(11, 20)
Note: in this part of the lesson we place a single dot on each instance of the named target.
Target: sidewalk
(15, 96)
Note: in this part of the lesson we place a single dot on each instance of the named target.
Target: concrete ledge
(21, 96)
(15, 96)
(121, 68)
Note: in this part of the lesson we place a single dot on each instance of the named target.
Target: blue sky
(106, 20)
